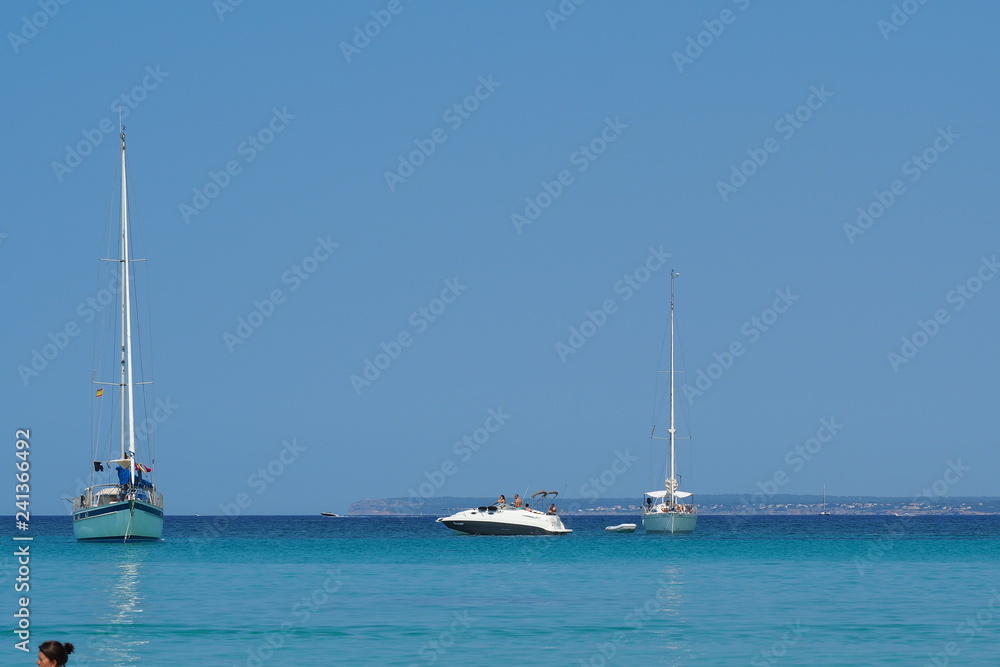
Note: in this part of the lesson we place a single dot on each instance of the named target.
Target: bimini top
(663, 494)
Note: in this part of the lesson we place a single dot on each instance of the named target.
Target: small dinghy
(621, 528)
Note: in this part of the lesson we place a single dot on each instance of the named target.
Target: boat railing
(106, 494)
(663, 507)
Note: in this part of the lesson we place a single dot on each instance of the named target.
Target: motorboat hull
(504, 521)
(669, 522)
(126, 521)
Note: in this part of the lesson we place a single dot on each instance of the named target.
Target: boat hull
(126, 521)
(501, 521)
(621, 528)
(672, 523)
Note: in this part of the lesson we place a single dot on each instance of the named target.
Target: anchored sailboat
(128, 508)
(669, 510)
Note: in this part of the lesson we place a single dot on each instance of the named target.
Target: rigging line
(657, 401)
(144, 323)
(104, 324)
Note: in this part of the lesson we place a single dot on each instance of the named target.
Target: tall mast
(672, 482)
(128, 413)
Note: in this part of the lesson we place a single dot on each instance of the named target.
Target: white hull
(621, 528)
(128, 521)
(504, 521)
(669, 522)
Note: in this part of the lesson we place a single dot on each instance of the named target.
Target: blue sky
(468, 184)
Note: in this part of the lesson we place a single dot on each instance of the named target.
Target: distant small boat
(328, 514)
(622, 528)
(825, 511)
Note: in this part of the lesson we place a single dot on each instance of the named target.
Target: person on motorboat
(517, 501)
(501, 501)
(552, 508)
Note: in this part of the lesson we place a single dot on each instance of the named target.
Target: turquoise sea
(292, 590)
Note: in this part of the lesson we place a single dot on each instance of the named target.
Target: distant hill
(707, 504)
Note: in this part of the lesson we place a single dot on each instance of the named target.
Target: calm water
(405, 591)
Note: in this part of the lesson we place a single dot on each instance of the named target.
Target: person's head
(516, 496)
(53, 654)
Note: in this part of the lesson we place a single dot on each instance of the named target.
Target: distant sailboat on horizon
(825, 511)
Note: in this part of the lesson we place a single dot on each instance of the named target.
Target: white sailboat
(128, 508)
(669, 510)
(825, 511)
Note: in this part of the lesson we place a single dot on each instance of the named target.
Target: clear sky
(466, 185)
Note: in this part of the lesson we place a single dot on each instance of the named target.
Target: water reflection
(117, 643)
(665, 613)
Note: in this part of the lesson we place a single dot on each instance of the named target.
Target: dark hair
(53, 650)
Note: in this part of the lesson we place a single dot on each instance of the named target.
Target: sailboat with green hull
(123, 504)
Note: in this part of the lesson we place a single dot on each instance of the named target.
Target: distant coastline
(708, 504)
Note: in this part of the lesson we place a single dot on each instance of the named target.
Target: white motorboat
(670, 510)
(125, 506)
(621, 528)
(506, 520)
